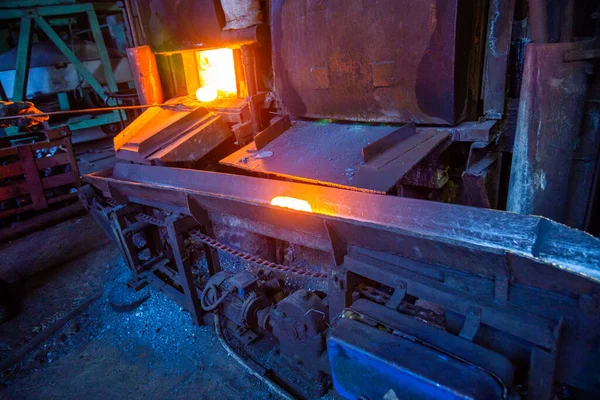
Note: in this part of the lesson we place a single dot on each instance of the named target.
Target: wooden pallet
(27, 178)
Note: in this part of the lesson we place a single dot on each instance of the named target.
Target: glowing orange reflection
(291, 202)
(206, 94)
(217, 74)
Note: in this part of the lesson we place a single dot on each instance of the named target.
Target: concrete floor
(152, 352)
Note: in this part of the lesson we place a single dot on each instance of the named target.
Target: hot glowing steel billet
(293, 203)
(206, 94)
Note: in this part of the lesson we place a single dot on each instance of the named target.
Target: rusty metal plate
(170, 136)
(364, 60)
(562, 258)
(552, 97)
(334, 154)
(172, 26)
(169, 26)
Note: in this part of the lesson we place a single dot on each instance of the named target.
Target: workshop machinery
(295, 191)
(61, 58)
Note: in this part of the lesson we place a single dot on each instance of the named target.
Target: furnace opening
(217, 74)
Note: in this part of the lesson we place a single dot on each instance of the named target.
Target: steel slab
(331, 154)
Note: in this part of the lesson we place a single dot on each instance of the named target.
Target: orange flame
(291, 202)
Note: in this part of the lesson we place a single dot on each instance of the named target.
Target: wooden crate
(26, 178)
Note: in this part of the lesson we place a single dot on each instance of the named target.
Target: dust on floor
(152, 352)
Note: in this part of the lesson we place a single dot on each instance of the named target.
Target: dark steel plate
(542, 253)
(181, 25)
(331, 154)
(365, 60)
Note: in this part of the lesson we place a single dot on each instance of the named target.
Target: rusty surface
(549, 120)
(585, 172)
(458, 257)
(387, 223)
(538, 21)
(500, 25)
(32, 181)
(167, 136)
(145, 74)
(331, 60)
(190, 24)
(332, 154)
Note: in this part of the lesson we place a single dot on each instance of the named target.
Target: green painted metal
(13, 13)
(62, 9)
(32, 3)
(62, 21)
(63, 101)
(62, 46)
(11, 130)
(98, 120)
(22, 67)
(102, 52)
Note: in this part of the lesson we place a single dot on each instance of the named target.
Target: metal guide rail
(524, 288)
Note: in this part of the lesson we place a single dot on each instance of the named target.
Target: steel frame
(38, 15)
(525, 276)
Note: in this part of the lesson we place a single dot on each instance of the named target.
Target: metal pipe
(143, 39)
(538, 20)
(248, 62)
(130, 24)
(250, 72)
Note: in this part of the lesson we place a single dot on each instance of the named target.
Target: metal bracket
(472, 324)
(117, 195)
(338, 247)
(272, 132)
(197, 211)
(501, 289)
(200, 214)
(397, 297)
(176, 225)
(542, 368)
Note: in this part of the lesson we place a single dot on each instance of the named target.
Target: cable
(212, 290)
(183, 107)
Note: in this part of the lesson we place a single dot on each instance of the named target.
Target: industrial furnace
(355, 158)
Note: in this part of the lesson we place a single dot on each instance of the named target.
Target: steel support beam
(22, 67)
(62, 46)
(102, 52)
(500, 24)
(9, 10)
(176, 225)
